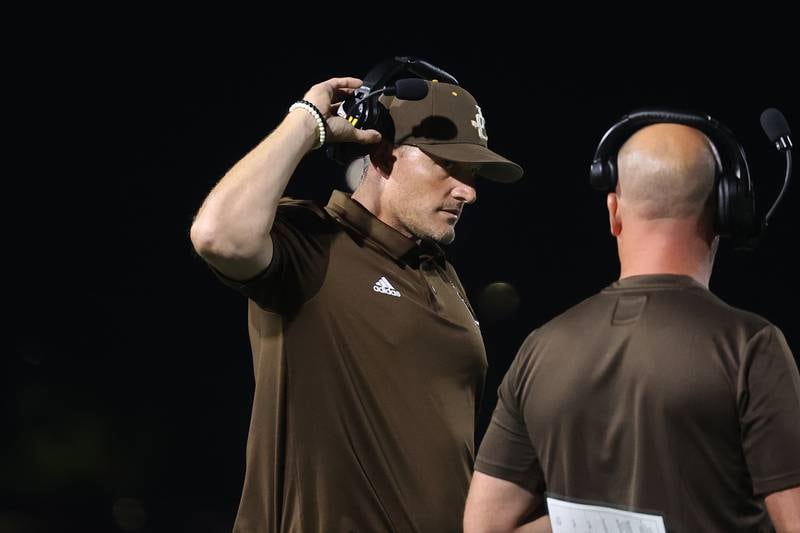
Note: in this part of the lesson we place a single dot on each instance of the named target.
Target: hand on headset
(327, 96)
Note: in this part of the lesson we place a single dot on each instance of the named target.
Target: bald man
(652, 405)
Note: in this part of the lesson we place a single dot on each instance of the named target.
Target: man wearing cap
(367, 356)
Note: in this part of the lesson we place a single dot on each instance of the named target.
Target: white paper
(569, 517)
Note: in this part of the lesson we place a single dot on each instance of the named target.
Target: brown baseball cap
(449, 124)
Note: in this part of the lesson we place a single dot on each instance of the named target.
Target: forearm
(540, 525)
(236, 217)
(489, 525)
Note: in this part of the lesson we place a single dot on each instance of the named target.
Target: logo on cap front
(480, 124)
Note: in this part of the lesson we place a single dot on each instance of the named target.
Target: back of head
(666, 171)
(679, 176)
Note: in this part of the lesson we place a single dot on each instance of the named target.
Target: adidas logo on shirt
(382, 285)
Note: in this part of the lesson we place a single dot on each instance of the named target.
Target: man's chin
(442, 235)
(443, 239)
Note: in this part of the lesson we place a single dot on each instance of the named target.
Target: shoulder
(713, 311)
(305, 215)
(573, 317)
(298, 208)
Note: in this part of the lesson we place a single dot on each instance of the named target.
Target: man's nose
(465, 193)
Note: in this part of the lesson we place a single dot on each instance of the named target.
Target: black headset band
(390, 70)
(731, 155)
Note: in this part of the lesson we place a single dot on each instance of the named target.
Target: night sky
(127, 397)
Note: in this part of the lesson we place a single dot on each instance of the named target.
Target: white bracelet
(311, 108)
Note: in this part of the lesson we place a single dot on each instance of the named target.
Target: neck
(367, 198)
(666, 246)
(370, 194)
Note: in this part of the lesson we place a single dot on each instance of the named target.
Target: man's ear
(614, 220)
(383, 158)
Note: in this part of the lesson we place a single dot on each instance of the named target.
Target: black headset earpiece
(363, 109)
(735, 209)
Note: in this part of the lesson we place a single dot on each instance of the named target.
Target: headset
(735, 199)
(394, 76)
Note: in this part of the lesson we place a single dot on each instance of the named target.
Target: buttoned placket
(428, 267)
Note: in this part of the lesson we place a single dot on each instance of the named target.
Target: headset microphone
(407, 89)
(404, 89)
(777, 129)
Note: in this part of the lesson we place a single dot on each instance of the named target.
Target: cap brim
(492, 165)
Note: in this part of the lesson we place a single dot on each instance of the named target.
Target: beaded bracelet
(311, 108)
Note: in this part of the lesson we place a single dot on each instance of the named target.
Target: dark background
(126, 398)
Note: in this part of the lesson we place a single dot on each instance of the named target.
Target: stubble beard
(442, 236)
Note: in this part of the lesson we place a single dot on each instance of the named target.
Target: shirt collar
(647, 281)
(355, 216)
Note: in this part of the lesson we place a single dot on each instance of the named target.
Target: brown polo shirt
(652, 396)
(368, 367)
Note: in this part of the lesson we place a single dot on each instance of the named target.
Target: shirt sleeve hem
(518, 478)
(768, 485)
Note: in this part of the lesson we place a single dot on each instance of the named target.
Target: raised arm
(232, 229)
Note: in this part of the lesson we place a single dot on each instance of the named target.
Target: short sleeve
(506, 451)
(301, 237)
(769, 410)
